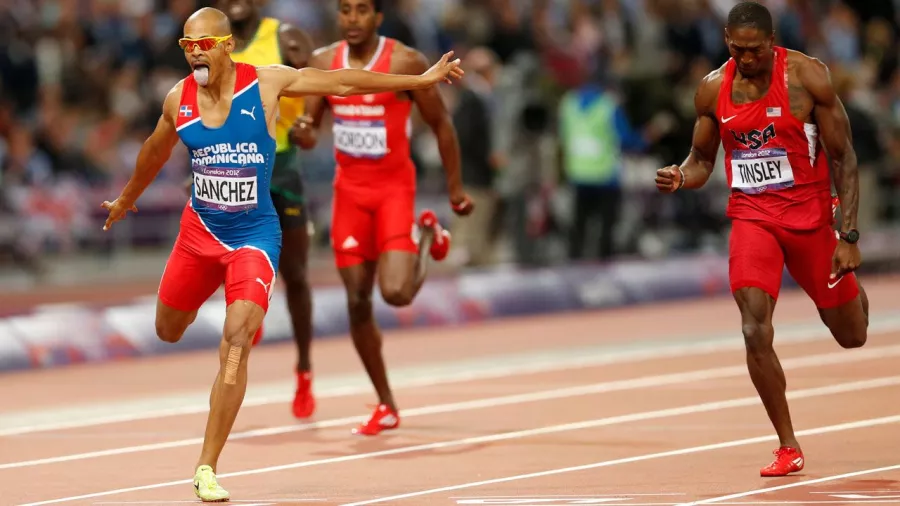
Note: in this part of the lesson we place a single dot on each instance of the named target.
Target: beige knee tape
(232, 363)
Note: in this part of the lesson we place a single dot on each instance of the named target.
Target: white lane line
(625, 501)
(833, 358)
(554, 429)
(803, 483)
(13, 424)
(245, 502)
(871, 422)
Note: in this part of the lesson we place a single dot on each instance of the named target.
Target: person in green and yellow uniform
(266, 41)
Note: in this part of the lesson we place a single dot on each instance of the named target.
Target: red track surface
(632, 432)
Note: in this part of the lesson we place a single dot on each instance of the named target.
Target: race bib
(229, 190)
(360, 139)
(757, 171)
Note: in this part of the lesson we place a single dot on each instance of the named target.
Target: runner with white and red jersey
(373, 229)
(371, 132)
(778, 116)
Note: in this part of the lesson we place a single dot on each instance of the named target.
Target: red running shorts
(200, 263)
(366, 223)
(759, 251)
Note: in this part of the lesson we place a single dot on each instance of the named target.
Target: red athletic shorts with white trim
(760, 250)
(200, 263)
(366, 223)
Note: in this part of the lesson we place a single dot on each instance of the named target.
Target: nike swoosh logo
(832, 285)
(726, 120)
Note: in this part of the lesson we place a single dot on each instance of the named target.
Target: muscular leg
(171, 323)
(401, 273)
(849, 322)
(359, 281)
(843, 304)
(242, 319)
(756, 307)
(187, 282)
(295, 247)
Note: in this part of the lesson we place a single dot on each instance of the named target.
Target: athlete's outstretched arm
(694, 172)
(347, 82)
(434, 112)
(305, 131)
(837, 139)
(153, 155)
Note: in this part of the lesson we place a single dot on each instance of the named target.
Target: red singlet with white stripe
(774, 163)
(371, 132)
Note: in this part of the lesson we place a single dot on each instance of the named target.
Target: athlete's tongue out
(201, 74)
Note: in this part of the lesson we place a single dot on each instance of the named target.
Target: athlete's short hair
(376, 4)
(750, 15)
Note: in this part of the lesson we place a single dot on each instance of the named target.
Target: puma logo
(264, 285)
(250, 112)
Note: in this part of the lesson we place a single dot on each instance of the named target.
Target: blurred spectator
(594, 131)
(473, 118)
(82, 84)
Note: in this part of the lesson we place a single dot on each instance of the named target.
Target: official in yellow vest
(266, 41)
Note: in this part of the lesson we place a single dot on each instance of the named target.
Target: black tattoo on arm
(837, 139)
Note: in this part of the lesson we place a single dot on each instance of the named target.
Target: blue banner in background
(68, 334)
(56, 336)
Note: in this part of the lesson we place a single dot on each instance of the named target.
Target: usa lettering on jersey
(226, 189)
(241, 153)
(755, 139)
(361, 138)
(759, 169)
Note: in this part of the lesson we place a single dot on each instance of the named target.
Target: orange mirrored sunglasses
(204, 43)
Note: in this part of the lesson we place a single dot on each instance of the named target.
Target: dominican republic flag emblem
(185, 111)
(773, 112)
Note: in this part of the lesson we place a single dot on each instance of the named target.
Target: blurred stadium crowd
(82, 81)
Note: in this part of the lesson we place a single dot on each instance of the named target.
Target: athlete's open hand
(846, 259)
(668, 179)
(444, 70)
(117, 210)
(461, 204)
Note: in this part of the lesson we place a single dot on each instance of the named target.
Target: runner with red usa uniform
(225, 113)
(778, 116)
(373, 227)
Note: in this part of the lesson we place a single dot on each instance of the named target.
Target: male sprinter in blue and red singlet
(225, 113)
(772, 108)
(373, 215)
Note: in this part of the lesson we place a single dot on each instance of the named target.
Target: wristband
(680, 171)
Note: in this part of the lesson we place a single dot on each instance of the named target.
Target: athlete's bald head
(207, 49)
(207, 21)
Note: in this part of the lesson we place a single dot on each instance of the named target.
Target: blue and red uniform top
(232, 168)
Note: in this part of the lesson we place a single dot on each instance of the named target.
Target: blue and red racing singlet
(232, 168)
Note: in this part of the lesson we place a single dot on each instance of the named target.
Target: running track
(638, 406)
